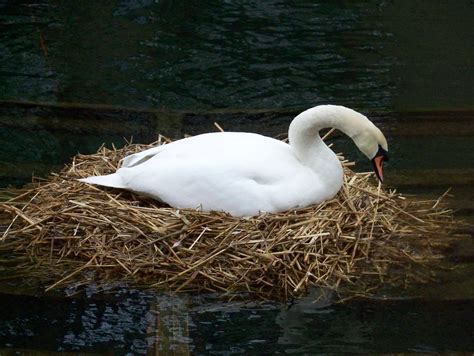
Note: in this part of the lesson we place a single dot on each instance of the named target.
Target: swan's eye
(383, 153)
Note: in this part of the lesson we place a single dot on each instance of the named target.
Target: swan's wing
(188, 182)
(200, 145)
(240, 174)
(140, 157)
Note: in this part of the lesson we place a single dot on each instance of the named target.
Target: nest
(364, 237)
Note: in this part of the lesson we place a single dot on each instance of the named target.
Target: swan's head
(372, 143)
(368, 138)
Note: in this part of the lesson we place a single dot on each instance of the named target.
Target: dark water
(375, 55)
(245, 59)
(139, 323)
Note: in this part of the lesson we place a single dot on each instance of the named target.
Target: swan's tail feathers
(111, 180)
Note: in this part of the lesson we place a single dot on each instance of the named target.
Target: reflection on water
(142, 323)
(64, 324)
(190, 55)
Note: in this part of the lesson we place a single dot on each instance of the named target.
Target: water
(250, 66)
(369, 55)
(137, 322)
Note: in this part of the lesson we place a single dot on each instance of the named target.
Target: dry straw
(362, 238)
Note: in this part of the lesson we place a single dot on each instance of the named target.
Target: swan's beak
(378, 161)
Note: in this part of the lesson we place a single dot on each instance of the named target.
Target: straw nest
(365, 236)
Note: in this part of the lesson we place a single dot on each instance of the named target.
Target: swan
(245, 174)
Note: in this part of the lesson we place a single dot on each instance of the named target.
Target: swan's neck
(304, 129)
(307, 144)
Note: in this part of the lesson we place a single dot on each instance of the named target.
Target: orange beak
(378, 161)
(378, 167)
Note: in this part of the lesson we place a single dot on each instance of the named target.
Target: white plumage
(245, 173)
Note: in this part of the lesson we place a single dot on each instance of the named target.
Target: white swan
(245, 173)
